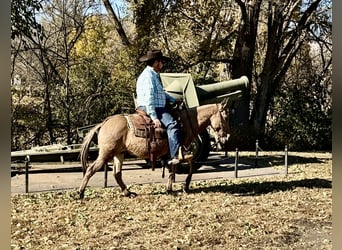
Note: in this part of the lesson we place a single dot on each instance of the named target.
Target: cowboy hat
(153, 54)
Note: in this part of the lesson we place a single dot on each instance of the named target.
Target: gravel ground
(273, 211)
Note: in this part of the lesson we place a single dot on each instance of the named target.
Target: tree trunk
(242, 64)
(48, 111)
(280, 52)
(264, 95)
(117, 23)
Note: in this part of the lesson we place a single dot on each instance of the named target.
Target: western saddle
(143, 126)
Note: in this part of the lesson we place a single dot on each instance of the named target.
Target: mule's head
(219, 122)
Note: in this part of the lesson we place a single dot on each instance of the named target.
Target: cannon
(181, 86)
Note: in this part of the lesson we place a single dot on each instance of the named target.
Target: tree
(46, 53)
(117, 24)
(28, 57)
(23, 17)
(303, 121)
(68, 21)
(96, 76)
(283, 44)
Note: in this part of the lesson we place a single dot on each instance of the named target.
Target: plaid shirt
(150, 92)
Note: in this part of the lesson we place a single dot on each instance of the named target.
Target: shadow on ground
(258, 188)
(223, 163)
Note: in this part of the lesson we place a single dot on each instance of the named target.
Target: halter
(220, 110)
(192, 131)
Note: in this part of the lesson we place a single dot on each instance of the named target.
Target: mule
(115, 137)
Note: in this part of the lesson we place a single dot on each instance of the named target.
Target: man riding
(152, 98)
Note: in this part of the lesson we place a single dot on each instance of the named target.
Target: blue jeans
(172, 129)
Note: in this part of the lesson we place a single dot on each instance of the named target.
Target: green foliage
(301, 116)
(23, 17)
(197, 36)
(104, 79)
(28, 114)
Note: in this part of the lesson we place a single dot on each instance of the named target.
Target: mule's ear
(224, 103)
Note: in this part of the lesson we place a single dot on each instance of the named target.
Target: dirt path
(47, 177)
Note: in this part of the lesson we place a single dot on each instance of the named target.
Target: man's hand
(157, 123)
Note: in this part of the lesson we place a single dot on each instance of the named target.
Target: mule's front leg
(188, 178)
(171, 179)
(117, 172)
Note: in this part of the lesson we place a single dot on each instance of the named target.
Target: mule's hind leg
(95, 166)
(117, 173)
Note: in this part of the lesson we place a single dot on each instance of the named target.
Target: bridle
(222, 125)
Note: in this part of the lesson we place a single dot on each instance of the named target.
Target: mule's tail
(85, 147)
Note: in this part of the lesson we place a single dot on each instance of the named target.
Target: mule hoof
(186, 189)
(130, 194)
(81, 195)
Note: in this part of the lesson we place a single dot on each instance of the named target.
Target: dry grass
(278, 212)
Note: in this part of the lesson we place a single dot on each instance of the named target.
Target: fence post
(286, 164)
(236, 163)
(27, 174)
(256, 152)
(62, 159)
(105, 174)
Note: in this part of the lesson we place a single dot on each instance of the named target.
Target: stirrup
(173, 161)
(187, 157)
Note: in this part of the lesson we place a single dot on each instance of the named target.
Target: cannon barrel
(213, 90)
(181, 86)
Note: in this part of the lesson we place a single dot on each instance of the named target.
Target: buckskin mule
(115, 138)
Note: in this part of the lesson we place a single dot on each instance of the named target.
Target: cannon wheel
(200, 148)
